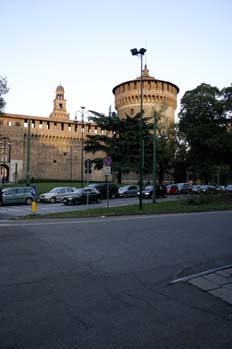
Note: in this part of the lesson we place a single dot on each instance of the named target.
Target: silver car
(56, 194)
(17, 195)
(128, 191)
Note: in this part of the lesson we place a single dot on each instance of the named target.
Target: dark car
(184, 188)
(104, 187)
(228, 188)
(196, 189)
(83, 196)
(148, 191)
(208, 189)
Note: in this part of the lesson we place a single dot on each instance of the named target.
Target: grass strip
(178, 206)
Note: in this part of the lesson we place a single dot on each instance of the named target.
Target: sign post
(107, 172)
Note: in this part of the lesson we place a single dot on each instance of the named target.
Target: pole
(154, 158)
(141, 52)
(82, 146)
(4, 153)
(28, 152)
(71, 165)
(141, 139)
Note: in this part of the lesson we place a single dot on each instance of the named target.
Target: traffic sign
(33, 191)
(108, 161)
(107, 170)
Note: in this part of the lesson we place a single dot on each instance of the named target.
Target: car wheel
(28, 201)
(113, 196)
(125, 195)
(53, 200)
(76, 202)
(98, 200)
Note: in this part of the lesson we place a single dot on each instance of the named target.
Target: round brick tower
(157, 95)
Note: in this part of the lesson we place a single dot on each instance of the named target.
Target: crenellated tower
(157, 95)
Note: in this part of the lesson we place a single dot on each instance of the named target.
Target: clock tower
(59, 105)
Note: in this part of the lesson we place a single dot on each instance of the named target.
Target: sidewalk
(217, 282)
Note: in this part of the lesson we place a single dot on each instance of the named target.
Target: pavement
(217, 282)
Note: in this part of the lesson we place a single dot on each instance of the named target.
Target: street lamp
(140, 53)
(82, 142)
(154, 157)
(28, 152)
(82, 145)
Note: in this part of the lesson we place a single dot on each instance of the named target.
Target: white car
(128, 190)
(56, 194)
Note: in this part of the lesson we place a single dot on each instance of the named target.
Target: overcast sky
(85, 46)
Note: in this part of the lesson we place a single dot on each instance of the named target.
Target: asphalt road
(105, 283)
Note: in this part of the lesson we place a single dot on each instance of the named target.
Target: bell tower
(59, 105)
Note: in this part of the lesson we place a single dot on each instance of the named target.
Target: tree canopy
(120, 140)
(3, 90)
(205, 122)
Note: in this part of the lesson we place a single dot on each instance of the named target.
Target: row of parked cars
(97, 191)
(185, 188)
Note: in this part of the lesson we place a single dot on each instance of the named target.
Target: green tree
(120, 140)
(3, 90)
(204, 118)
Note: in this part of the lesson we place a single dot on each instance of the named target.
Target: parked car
(128, 191)
(102, 187)
(220, 188)
(56, 194)
(148, 191)
(196, 189)
(172, 189)
(83, 196)
(184, 188)
(17, 195)
(229, 188)
(208, 189)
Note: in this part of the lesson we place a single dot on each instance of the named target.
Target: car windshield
(148, 187)
(79, 191)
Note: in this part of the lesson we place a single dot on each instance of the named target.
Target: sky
(85, 47)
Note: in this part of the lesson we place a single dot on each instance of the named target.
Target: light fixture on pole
(140, 53)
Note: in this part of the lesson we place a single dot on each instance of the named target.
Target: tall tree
(204, 122)
(119, 139)
(3, 90)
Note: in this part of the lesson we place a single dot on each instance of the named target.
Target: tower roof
(145, 77)
(60, 88)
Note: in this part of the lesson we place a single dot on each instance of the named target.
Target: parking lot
(10, 211)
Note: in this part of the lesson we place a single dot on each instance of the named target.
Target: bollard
(33, 206)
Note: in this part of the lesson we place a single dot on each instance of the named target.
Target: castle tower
(157, 95)
(59, 108)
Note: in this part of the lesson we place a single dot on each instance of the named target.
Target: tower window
(60, 106)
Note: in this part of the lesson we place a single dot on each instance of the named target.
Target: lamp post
(154, 157)
(82, 145)
(140, 53)
(28, 152)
